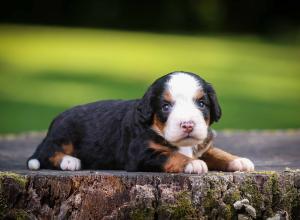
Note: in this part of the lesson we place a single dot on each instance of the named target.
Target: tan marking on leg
(68, 148)
(57, 158)
(160, 148)
(176, 163)
(217, 159)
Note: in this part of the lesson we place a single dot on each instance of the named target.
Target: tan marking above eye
(199, 94)
(168, 97)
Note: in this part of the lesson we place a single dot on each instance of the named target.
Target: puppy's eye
(166, 107)
(200, 103)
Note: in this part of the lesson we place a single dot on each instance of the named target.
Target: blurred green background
(47, 66)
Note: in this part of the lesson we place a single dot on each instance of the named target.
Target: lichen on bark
(182, 208)
(12, 191)
(113, 195)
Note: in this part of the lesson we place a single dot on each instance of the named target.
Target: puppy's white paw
(196, 166)
(241, 164)
(70, 163)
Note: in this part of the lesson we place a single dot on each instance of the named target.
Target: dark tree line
(250, 16)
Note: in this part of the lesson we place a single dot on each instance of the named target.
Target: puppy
(168, 130)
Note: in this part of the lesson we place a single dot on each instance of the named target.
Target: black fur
(215, 109)
(116, 134)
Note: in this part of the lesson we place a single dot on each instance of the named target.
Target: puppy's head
(180, 107)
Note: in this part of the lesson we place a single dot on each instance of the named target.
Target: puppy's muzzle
(187, 126)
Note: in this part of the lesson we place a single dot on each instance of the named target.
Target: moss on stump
(121, 195)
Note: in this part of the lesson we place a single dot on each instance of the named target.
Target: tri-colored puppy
(168, 130)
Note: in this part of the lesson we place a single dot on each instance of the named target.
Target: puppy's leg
(52, 156)
(63, 161)
(159, 158)
(177, 163)
(217, 159)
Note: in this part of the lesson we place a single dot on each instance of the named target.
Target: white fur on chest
(187, 151)
(190, 151)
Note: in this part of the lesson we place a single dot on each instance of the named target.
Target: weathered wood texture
(121, 195)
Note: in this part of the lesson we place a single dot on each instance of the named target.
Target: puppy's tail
(33, 164)
(38, 159)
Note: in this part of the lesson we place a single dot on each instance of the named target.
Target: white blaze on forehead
(182, 85)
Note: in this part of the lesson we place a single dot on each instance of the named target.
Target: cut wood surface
(270, 150)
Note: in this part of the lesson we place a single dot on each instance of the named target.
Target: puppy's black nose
(187, 126)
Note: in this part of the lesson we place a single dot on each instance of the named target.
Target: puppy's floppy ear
(145, 107)
(215, 109)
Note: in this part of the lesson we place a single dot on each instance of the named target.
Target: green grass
(45, 70)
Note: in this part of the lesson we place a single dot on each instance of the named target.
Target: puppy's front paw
(196, 166)
(241, 164)
(70, 163)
